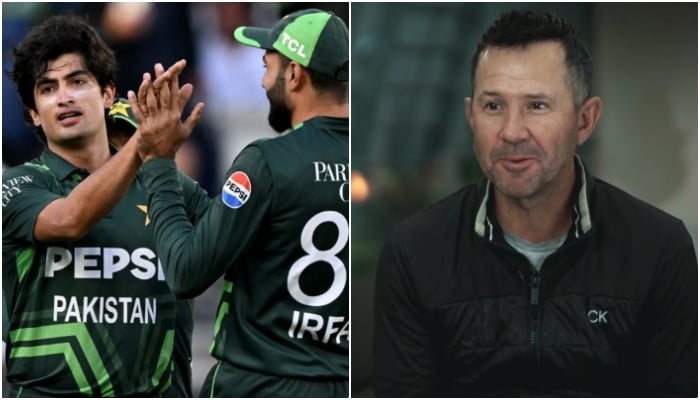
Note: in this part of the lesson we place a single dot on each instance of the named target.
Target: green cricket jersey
(92, 317)
(182, 356)
(278, 232)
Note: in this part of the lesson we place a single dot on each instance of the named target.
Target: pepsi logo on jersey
(236, 190)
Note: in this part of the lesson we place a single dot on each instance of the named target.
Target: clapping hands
(158, 106)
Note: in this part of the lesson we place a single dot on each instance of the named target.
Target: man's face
(523, 118)
(70, 104)
(280, 116)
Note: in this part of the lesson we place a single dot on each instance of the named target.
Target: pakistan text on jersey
(317, 327)
(105, 310)
(103, 262)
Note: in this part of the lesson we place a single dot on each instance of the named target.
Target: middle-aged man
(541, 280)
(278, 232)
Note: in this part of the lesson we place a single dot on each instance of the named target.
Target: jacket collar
(485, 223)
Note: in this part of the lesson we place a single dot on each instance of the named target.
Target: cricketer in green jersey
(89, 312)
(121, 126)
(278, 231)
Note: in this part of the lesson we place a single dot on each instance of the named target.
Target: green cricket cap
(316, 39)
(121, 110)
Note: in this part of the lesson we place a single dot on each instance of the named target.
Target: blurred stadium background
(411, 144)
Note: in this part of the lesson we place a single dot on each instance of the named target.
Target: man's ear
(109, 93)
(468, 111)
(588, 115)
(295, 76)
(36, 120)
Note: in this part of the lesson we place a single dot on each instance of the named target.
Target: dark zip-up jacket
(613, 312)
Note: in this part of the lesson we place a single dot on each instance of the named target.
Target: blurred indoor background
(411, 144)
(410, 141)
(226, 76)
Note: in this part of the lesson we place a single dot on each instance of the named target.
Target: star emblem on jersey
(144, 208)
(119, 108)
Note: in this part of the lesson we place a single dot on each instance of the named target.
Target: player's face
(280, 116)
(70, 104)
(524, 119)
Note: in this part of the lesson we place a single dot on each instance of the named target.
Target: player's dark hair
(322, 83)
(325, 84)
(54, 37)
(522, 27)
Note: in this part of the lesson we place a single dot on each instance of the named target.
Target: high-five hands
(158, 106)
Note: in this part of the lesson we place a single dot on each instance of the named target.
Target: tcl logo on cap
(236, 190)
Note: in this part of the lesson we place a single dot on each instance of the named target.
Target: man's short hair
(521, 27)
(323, 83)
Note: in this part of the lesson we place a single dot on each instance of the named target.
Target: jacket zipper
(535, 283)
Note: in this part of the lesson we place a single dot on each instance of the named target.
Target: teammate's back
(278, 232)
(295, 275)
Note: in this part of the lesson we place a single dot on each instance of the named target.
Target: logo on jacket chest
(598, 316)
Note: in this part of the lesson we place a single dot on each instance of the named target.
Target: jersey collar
(62, 168)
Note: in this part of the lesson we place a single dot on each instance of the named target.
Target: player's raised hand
(158, 106)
